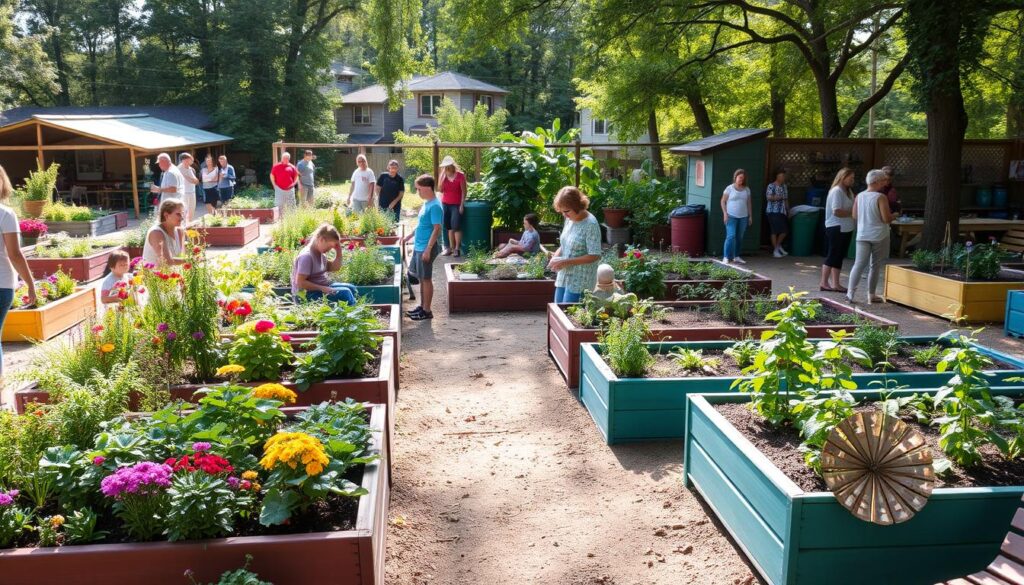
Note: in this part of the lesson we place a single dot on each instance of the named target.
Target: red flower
(97, 328)
(196, 250)
(206, 462)
(278, 249)
(263, 325)
(156, 341)
(232, 305)
(187, 266)
(285, 337)
(122, 294)
(175, 275)
(637, 254)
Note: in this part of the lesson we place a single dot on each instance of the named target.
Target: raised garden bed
(795, 537)
(350, 557)
(503, 235)
(973, 301)
(758, 284)
(229, 236)
(133, 251)
(645, 409)
(565, 337)
(263, 214)
(82, 268)
(361, 241)
(484, 295)
(1014, 322)
(51, 319)
(96, 227)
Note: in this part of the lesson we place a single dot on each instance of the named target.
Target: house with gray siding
(366, 119)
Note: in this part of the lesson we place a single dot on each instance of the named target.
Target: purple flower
(7, 498)
(52, 279)
(162, 327)
(145, 478)
(198, 335)
(200, 446)
(233, 482)
(98, 460)
(171, 336)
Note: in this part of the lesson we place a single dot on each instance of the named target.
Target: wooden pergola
(139, 135)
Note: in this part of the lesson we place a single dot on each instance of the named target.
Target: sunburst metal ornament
(878, 467)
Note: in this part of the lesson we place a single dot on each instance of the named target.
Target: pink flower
(162, 327)
(198, 335)
(144, 478)
(233, 482)
(263, 325)
(171, 336)
(286, 337)
(200, 446)
(637, 254)
(98, 460)
(246, 484)
(97, 328)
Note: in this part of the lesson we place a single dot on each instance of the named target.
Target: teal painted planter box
(793, 537)
(649, 409)
(381, 294)
(1014, 322)
(394, 251)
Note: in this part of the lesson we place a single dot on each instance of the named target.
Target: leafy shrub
(62, 245)
(343, 345)
(259, 348)
(374, 221)
(366, 266)
(880, 344)
(694, 360)
(981, 262)
(924, 260)
(476, 261)
(743, 352)
(643, 274)
(928, 356)
(293, 230)
(623, 347)
(201, 505)
(40, 184)
(242, 202)
(57, 211)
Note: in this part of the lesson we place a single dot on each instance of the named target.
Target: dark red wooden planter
(564, 338)
(226, 236)
(262, 214)
(352, 557)
(82, 269)
(133, 251)
(758, 284)
(361, 241)
(502, 235)
(121, 220)
(496, 295)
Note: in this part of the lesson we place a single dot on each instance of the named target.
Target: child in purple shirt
(528, 244)
(309, 272)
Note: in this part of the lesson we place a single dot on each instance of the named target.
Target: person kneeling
(528, 244)
(309, 272)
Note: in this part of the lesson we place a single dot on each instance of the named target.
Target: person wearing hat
(189, 185)
(453, 199)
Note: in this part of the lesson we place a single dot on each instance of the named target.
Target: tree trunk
(700, 111)
(831, 127)
(947, 123)
(652, 132)
(64, 95)
(778, 105)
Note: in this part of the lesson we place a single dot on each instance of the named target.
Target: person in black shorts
(390, 190)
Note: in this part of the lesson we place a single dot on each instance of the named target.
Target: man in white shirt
(172, 184)
(363, 182)
(191, 180)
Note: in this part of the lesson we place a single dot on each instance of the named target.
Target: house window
(429, 104)
(361, 115)
(488, 101)
(601, 126)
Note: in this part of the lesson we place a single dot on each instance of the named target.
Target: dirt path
(500, 476)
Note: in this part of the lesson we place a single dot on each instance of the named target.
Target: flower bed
(793, 537)
(83, 268)
(484, 294)
(51, 319)
(652, 408)
(565, 337)
(973, 301)
(229, 231)
(670, 277)
(346, 556)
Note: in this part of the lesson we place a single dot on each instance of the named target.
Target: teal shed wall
(719, 166)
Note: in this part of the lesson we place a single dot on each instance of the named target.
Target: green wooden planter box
(381, 294)
(394, 251)
(793, 537)
(648, 409)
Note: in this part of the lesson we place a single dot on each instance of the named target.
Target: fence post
(476, 152)
(578, 163)
(437, 156)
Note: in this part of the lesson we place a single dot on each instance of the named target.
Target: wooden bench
(1013, 241)
(1008, 568)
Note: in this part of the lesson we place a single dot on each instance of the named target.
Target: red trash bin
(688, 234)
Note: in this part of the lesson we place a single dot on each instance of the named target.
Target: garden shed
(710, 166)
(99, 155)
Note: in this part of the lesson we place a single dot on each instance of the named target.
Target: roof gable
(139, 131)
(191, 116)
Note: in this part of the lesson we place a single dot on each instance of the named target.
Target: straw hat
(447, 161)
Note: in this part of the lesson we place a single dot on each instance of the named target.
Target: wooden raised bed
(262, 214)
(496, 295)
(50, 320)
(238, 236)
(974, 302)
(82, 268)
(96, 227)
(793, 537)
(361, 241)
(758, 284)
(133, 251)
(352, 557)
(502, 235)
(647, 409)
(564, 338)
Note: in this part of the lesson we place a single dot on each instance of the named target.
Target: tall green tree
(28, 75)
(51, 20)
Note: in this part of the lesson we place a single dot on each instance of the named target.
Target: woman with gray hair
(871, 212)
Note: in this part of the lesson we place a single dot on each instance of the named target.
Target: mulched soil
(1004, 275)
(781, 447)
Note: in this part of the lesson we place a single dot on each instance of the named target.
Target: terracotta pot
(615, 218)
(33, 208)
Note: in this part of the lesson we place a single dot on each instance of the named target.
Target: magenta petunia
(144, 478)
(98, 460)
(162, 327)
(171, 336)
(200, 446)
(198, 335)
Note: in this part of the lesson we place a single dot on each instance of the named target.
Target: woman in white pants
(871, 211)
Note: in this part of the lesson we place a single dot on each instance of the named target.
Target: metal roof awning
(711, 143)
(139, 131)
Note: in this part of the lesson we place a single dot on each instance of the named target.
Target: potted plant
(31, 231)
(614, 198)
(38, 189)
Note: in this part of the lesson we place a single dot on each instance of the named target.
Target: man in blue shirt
(226, 186)
(425, 247)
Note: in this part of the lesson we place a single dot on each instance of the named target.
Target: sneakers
(875, 300)
(738, 260)
(725, 260)
(778, 253)
(446, 252)
(422, 315)
(412, 312)
(783, 250)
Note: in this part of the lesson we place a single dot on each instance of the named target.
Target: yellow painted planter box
(50, 320)
(974, 302)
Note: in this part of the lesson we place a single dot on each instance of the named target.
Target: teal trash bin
(476, 225)
(983, 197)
(802, 227)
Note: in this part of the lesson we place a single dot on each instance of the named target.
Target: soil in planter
(666, 367)
(1005, 275)
(485, 274)
(684, 318)
(781, 447)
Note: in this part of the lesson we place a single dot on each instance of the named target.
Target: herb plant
(693, 360)
(365, 266)
(743, 352)
(966, 403)
(343, 347)
(623, 346)
(924, 260)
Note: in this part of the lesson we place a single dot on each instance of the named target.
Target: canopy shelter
(98, 149)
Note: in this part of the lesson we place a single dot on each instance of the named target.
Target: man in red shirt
(284, 176)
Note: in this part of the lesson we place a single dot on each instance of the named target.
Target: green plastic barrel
(851, 253)
(802, 227)
(476, 225)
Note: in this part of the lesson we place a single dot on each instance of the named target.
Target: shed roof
(444, 81)
(139, 131)
(710, 144)
(192, 116)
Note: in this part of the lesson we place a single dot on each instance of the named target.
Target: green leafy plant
(928, 356)
(242, 576)
(477, 261)
(623, 346)
(880, 344)
(643, 274)
(536, 267)
(592, 310)
(343, 347)
(966, 403)
(694, 360)
(365, 266)
(215, 220)
(373, 221)
(732, 301)
(80, 527)
(924, 260)
(743, 352)
(693, 292)
(981, 262)
(14, 520)
(40, 184)
(259, 348)
(57, 211)
(57, 286)
(293, 230)
(201, 505)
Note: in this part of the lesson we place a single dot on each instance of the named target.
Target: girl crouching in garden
(528, 244)
(309, 272)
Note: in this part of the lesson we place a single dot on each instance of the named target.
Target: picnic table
(906, 231)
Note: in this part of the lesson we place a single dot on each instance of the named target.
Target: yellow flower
(274, 392)
(192, 234)
(293, 449)
(256, 487)
(56, 521)
(250, 475)
(107, 347)
(229, 370)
